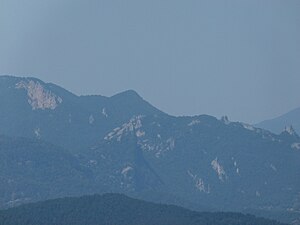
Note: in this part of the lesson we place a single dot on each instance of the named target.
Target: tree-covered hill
(117, 209)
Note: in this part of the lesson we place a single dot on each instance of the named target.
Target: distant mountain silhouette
(278, 124)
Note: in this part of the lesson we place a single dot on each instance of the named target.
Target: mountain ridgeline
(278, 124)
(96, 144)
(30, 108)
(117, 209)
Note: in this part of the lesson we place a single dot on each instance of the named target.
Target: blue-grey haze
(237, 58)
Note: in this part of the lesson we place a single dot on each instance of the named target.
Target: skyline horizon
(235, 58)
(140, 95)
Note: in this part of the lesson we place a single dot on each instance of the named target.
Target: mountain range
(57, 144)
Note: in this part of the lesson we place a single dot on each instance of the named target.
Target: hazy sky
(237, 58)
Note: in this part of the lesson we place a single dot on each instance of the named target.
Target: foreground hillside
(32, 170)
(117, 209)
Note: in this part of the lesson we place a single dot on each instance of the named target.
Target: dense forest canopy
(117, 209)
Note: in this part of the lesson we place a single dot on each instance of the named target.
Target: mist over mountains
(57, 144)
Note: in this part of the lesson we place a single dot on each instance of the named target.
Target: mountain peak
(131, 99)
(18, 78)
(128, 94)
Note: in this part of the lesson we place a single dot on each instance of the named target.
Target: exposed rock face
(129, 146)
(38, 96)
(219, 169)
